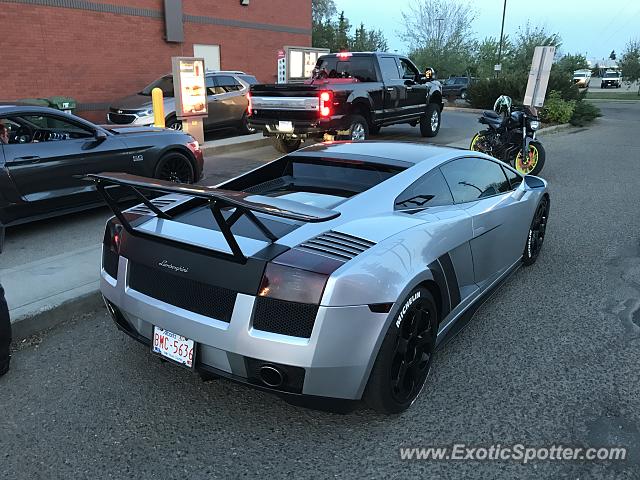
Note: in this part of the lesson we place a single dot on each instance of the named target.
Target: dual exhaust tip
(271, 376)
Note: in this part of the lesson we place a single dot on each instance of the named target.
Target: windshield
(611, 75)
(164, 83)
(580, 75)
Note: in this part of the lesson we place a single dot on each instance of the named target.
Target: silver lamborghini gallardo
(328, 275)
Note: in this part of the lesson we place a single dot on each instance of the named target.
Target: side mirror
(430, 74)
(100, 136)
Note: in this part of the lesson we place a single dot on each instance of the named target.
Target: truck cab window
(389, 69)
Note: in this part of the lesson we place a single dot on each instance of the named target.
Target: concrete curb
(87, 302)
(612, 99)
(464, 109)
(236, 146)
(554, 128)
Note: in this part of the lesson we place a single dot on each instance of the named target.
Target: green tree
(365, 40)
(570, 63)
(439, 35)
(526, 40)
(485, 55)
(335, 33)
(322, 10)
(630, 63)
(342, 33)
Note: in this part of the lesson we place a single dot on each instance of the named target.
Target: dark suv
(226, 95)
(456, 87)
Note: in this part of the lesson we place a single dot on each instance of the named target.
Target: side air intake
(336, 245)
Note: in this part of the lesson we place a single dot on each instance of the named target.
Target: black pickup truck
(350, 96)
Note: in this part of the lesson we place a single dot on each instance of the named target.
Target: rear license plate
(173, 346)
(285, 126)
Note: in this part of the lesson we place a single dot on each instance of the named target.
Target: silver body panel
(484, 241)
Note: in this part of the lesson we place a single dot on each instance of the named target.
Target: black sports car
(48, 150)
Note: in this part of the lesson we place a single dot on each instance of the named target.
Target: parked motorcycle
(511, 131)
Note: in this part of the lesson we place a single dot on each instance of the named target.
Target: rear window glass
(165, 84)
(359, 68)
(338, 174)
(250, 79)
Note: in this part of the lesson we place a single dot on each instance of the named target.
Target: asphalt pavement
(551, 358)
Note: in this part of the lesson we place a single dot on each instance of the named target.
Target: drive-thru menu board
(189, 87)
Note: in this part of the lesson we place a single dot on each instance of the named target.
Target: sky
(592, 28)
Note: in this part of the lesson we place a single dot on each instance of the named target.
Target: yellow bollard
(158, 107)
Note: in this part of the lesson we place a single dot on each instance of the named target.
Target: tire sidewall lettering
(406, 307)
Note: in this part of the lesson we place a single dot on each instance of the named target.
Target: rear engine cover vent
(142, 209)
(336, 245)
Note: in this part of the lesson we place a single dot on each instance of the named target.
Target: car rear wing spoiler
(245, 204)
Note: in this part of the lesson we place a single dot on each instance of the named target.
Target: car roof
(403, 154)
(13, 107)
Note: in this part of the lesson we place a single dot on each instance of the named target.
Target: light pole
(439, 20)
(504, 11)
(439, 49)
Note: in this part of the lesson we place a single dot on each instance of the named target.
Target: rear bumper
(334, 362)
(301, 128)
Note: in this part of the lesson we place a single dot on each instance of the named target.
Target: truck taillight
(249, 104)
(326, 99)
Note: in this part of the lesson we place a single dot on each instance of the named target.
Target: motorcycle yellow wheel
(527, 166)
(474, 141)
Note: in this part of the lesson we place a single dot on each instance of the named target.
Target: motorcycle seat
(490, 114)
(495, 122)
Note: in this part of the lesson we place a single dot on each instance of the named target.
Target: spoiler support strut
(242, 203)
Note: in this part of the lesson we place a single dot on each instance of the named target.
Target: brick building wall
(99, 50)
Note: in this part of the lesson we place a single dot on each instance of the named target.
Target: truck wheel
(358, 128)
(430, 121)
(463, 94)
(285, 145)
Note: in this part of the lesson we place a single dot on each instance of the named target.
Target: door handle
(28, 158)
(391, 89)
(409, 88)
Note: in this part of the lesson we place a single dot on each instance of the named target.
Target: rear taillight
(326, 101)
(297, 276)
(249, 104)
(194, 146)
(115, 237)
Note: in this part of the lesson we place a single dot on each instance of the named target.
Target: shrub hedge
(483, 93)
(583, 113)
(556, 109)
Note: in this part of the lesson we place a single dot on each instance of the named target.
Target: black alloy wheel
(175, 167)
(405, 357)
(537, 231)
(174, 124)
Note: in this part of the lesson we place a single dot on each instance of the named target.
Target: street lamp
(440, 20)
(439, 49)
(504, 10)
